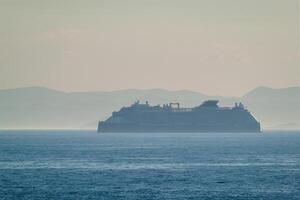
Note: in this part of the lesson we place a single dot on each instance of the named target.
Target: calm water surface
(88, 165)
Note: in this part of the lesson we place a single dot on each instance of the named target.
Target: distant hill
(276, 108)
(39, 107)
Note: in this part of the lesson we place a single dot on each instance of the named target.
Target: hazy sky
(224, 47)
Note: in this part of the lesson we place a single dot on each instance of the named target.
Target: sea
(90, 165)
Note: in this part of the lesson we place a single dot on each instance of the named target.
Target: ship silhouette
(207, 117)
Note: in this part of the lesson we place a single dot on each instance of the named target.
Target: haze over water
(89, 165)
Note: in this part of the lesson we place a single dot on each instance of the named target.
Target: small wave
(74, 164)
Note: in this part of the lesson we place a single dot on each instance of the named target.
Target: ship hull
(173, 131)
(144, 128)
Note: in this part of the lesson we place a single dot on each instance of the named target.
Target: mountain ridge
(41, 107)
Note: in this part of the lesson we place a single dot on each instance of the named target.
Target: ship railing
(225, 108)
(181, 109)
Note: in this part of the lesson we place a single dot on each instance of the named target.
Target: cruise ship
(207, 117)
